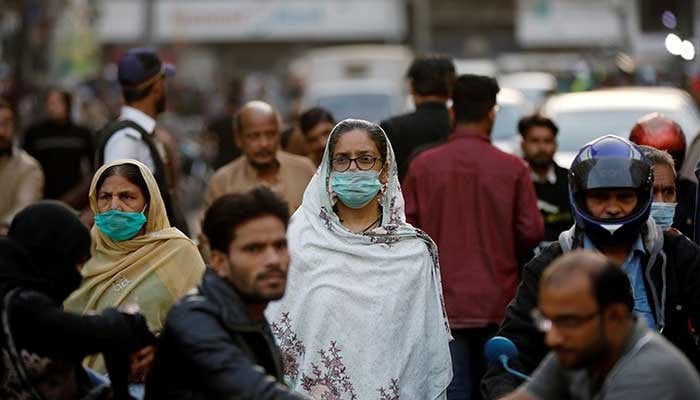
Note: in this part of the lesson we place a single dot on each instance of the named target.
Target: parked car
(584, 116)
(372, 100)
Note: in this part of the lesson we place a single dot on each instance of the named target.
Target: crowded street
(349, 200)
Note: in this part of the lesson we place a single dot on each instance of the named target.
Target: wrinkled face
(118, 193)
(539, 146)
(7, 129)
(576, 332)
(316, 140)
(257, 262)
(664, 184)
(611, 203)
(259, 138)
(56, 107)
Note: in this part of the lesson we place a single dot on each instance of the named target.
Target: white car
(585, 116)
(512, 105)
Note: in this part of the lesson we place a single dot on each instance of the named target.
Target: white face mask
(663, 214)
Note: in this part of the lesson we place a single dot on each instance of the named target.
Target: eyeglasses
(565, 323)
(342, 163)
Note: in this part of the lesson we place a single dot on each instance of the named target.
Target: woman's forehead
(355, 141)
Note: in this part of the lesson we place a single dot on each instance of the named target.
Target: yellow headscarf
(152, 270)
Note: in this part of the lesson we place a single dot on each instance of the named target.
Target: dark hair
(312, 117)
(66, 96)
(129, 171)
(530, 121)
(230, 211)
(373, 130)
(609, 283)
(432, 75)
(473, 96)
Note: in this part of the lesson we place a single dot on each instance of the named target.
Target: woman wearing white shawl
(362, 317)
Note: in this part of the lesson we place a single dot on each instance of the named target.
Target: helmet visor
(609, 172)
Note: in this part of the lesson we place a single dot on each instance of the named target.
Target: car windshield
(371, 107)
(506, 124)
(580, 127)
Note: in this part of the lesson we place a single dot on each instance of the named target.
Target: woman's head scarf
(56, 242)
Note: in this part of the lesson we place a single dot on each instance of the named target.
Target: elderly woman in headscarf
(41, 345)
(137, 257)
(362, 317)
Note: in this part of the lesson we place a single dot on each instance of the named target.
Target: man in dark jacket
(216, 343)
(610, 185)
(430, 79)
(551, 183)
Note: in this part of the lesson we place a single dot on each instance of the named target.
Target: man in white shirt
(141, 75)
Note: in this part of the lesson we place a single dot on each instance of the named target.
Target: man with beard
(216, 343)
(20, 174)
(600, 349)
(141, 75)
(257, 125)
(539, 145)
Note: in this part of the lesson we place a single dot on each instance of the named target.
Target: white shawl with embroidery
(363, 316)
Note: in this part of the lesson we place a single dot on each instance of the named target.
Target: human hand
(140, 364)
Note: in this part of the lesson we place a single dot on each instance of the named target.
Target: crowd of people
(357, 261)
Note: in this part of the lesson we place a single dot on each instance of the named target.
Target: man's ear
(218, 261)
(617, 313)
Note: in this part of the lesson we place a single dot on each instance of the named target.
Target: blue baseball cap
(140, 65)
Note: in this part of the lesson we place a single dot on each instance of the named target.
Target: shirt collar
(138, 116)
(550, 178)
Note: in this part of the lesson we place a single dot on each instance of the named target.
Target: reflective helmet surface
(611, 162)
(660, 132)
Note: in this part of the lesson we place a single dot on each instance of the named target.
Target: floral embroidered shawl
(362, 317)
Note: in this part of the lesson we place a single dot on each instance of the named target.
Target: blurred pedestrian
(611, 192)
(551, 181)
(216, 343)
(42, 345)
(315, 125)
(599, 348)
(430, 79)
(221, 128)
(141, 75)
(263, 163)
(479, 205)
(64, 150)
(137, 258)
(20, 174)
(363, 302)
(664, 205)
(658, 131)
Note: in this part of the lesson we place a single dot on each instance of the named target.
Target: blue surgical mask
(120, 225)
(663, 214)
(355, 188)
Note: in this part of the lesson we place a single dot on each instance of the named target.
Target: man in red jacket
(479, 205)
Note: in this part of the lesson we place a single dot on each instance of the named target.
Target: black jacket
(210, 349)
(672, 281)
(428, 124)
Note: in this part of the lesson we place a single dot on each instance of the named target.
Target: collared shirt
(127, 142)
(479, 206)
(238, 176)
(22, 183)
(633, 268)
(550, 178)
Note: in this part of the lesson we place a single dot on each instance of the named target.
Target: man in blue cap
(141, 75)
